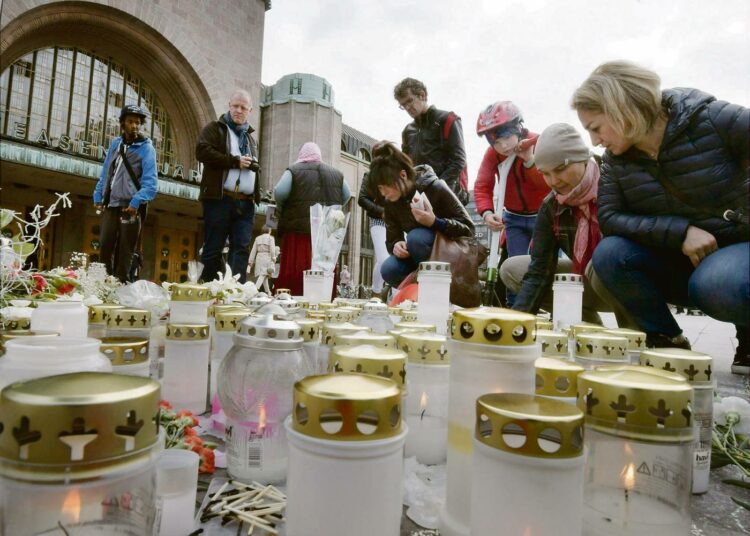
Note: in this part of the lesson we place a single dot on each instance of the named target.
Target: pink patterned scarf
(583, 200)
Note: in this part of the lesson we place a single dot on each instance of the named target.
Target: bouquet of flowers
(327, 232)
(227, 288)
(180, 434)
(730, 443)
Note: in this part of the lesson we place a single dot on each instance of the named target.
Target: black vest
(312, 183)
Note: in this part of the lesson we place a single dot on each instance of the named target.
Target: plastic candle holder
(639, 439)
(553, 343)
(375, 316)
(176, 490)
(127, 355)
(426, 410)
(226, 324)
(317, 286)
(310, 329)
(128, 322)
(346, 443)
(9, 335)
(598, 348)
(433, 301)
(185, 382)
(327, 338)
(567, 300)
(557, 378)
(67, 317)
(528, 460)
(636, 341)
(82, 455)
(696, 368)
(492, 351)
(98, 318)
(189, 304)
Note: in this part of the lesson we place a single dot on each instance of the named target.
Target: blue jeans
(645, 279)
(419, 244)
(226, 218)
(519, 231)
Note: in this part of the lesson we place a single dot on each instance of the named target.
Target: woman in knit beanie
(567, 220)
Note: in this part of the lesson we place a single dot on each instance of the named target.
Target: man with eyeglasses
(435, 137)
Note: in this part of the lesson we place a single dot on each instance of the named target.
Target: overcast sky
(471, 53)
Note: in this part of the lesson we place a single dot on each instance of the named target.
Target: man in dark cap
(127, 183)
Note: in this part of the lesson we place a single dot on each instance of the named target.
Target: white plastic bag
(144, 294)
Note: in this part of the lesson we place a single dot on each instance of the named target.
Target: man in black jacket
(435, 137)
(230, 187)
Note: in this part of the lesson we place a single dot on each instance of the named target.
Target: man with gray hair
(230, 187)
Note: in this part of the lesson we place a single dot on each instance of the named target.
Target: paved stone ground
(714, 513)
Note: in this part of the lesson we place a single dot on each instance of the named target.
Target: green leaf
(6, 217)
(735, 482)
(743, 504)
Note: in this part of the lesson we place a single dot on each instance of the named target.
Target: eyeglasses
(408, 102)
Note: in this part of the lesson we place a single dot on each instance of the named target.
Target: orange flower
(164, 404)
(207, 461)
(186, 413)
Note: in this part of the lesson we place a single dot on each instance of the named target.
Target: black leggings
(118, 241)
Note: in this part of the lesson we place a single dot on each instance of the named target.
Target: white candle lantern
(598, 348)
(259, 300)
(364, 337)
(346, 443)
(226, 324)
(9, 335)
(128, 322)
(185, 382)
(255, 386)
(78, 455)
(697, 369)
(410, 315)
(330, 330)
(127, 355)
(433, 295)
(567, 300)
(215, 308)
(413, 325)
(317, 286)
(188, 304)
(553, 343)
(557, 378)
(176, 483)
(34, 357)
(527, 466)
(98, 318)
(338, 315)
(387, 363)
(636, 342)
(69, 318)
(289, 305)
(492, 351)
(638, 439)
(426, 412)
(375, 316)
(310, 329)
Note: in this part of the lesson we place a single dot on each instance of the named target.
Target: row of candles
(493, 351)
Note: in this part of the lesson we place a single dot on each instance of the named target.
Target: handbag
(465, 254)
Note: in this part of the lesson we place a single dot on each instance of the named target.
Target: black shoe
(658, 340)
(741, 364)
(384, 293)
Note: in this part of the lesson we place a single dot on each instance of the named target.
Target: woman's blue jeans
(419, 244)
(519, 230)
(646, 279)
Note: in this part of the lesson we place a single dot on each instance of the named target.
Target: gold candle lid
(229, 319)
(286, 302)
(283, 291)
(395, 311)
(693, 366)
(408, 315)
(415, 326)
(500, 327)
(424, 347)
(77, 426)
(259, 300)
(8, 335)
(555, 377)
(601, 346)
(317, 315)
(339, 315)
(216, 307)
(98, 313)
(127, 318)
(331, 329)
(324, 306)
(585, 327)
(544, 324)
(302, 303)
(187, 332)
(123, 351)
(189, 292)
(310, 328)
(347, 407)
(636, 339)
(637, 402)
(375, 305)
(553, 342)
(16, 324)
(537, 426)
(367, 359)
(365, 337)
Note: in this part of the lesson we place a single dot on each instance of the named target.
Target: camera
(254, 164)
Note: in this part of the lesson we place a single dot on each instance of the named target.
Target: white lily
(733, 411)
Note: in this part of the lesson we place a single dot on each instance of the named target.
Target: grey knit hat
(559, 145)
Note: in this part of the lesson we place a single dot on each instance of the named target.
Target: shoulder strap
(128, 166)
(448, 125)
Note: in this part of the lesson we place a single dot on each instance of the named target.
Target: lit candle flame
(72, 506)
(262, 419)
(628, 476)
(423, 402)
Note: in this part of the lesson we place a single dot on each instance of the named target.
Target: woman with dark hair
(673, 200)
(417, 205)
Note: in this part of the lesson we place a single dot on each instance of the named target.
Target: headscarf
(240, 130)
(582, 199)
(310, 152)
